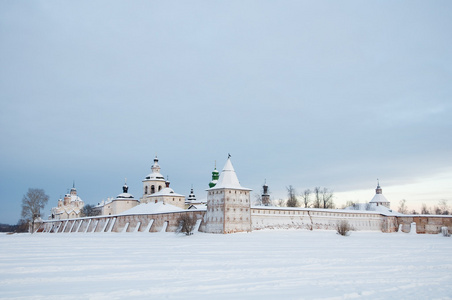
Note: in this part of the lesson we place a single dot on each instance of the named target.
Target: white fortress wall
(302, 218)
(117, 223)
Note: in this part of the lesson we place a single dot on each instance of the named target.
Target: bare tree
(424, 209)
(292, 200)
(437, 210)
(281, 203)
(89, 211)
(186, 224)
(444, 207)
(327, 198)
(22, 226)
(32, 203)
(317, 200)
(343, 228)
(306, 196)
(258, 199)
(402, 207)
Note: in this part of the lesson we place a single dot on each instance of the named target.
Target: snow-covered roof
(151, 208)
(198, 207)
(228, 178)
(75, 210)
(75, 198)
(155, 176)
(373, 207)
(166, 192)
(379, 198)
(124, 195)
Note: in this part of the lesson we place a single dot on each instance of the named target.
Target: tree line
(442, 208)
(316, 198)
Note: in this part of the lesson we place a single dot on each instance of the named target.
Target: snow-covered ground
(280, 264)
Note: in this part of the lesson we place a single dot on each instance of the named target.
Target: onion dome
(215, 177)
(125, 194)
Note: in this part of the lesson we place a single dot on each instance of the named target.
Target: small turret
(265, 196)
(192, 196)
(378, 190)
(215, 176)
(73, 190)
(67, 199)
(156, 168)
(125, 188)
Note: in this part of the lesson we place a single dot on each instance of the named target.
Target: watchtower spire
(378, 190)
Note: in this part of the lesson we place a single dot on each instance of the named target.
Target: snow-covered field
(260, 265)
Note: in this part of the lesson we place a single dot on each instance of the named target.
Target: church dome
(215, 177)
(166, 192)
(155, 176)
(125, 193)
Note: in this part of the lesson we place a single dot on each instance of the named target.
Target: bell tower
(153, 182)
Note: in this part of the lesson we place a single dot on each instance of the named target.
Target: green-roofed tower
(215, 176)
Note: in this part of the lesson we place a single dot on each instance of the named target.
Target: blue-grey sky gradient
(302, 93)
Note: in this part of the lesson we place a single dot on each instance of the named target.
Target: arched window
(145, 190)
(160, 187)
(152, 189)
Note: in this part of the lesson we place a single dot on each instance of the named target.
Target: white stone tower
(228, 204)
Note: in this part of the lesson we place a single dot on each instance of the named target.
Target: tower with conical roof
(228, 204)
(379, 199)
(215, 176)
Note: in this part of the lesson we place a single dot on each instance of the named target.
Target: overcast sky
(303, 93)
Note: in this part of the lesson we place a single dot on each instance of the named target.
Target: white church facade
(69, 207)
